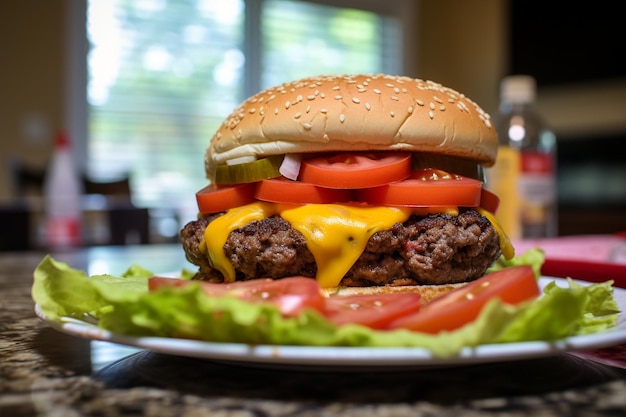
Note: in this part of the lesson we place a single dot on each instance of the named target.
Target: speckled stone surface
(46, 373)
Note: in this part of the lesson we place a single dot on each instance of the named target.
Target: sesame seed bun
(355, 113)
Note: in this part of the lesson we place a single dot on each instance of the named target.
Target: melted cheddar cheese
(336, 234)
(505, 243)
(218, 230)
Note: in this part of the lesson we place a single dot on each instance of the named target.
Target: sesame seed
(431, 114)
(252, 111)
(368, 106)
(308, 109)
(324, 110)
(419, 102)
(335, 88)
(396, 90)
(311, 97)
(342, 117)
(287, 104)
(307, 126)
(392, 114)
(338, 97)
(442, 108)
(355, 100)
(394, 98)
(299, 99)
(432, 106)
(389, 85)
(323, 95)
(437, 99)
(376, 91)
(410, 109)
(275, 111)
(297, 115)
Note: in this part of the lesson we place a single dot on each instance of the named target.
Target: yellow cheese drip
(218, 230)
(505, 243)
(337, 234)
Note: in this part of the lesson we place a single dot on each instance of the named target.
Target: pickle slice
(451, 164)
(254, 171)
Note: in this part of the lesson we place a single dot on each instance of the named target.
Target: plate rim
(351, 356)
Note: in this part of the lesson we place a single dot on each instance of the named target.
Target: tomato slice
(291, 295)
(374, 311)
(156, 282)
(511, 285)
(356, 170)
(423, 191)
(215, 198)
(283, 190)
(489, 201)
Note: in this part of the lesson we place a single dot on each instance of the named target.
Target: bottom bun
(426, 292)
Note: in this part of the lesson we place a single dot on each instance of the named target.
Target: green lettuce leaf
(533, 257)
(125, 306)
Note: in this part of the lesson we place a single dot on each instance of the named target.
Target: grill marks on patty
(437, 249)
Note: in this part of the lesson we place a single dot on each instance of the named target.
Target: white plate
(351, 357)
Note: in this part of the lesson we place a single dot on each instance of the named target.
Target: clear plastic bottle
(524, 176)
(62, 198)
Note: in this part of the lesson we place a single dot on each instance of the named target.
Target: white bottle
(62, 198)
(524, 176)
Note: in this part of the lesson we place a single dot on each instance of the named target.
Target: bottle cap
(62, 140)
(518, 89)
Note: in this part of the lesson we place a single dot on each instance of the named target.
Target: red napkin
(593, 258)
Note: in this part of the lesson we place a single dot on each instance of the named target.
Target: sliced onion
(241, 160)
(290, 168)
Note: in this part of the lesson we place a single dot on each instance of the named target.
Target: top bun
(355, 113)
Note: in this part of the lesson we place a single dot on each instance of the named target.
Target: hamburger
(366, 183)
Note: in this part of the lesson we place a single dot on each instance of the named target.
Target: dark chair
(117, 188)
(26, 180)
(16, 233)
(127, 223)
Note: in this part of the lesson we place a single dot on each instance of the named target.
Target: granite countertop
(45, 372)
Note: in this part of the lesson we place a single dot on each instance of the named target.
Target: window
(162, 75)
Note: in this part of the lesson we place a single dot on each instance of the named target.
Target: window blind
(164, 74)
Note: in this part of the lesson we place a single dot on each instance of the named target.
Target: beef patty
(437, 249)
